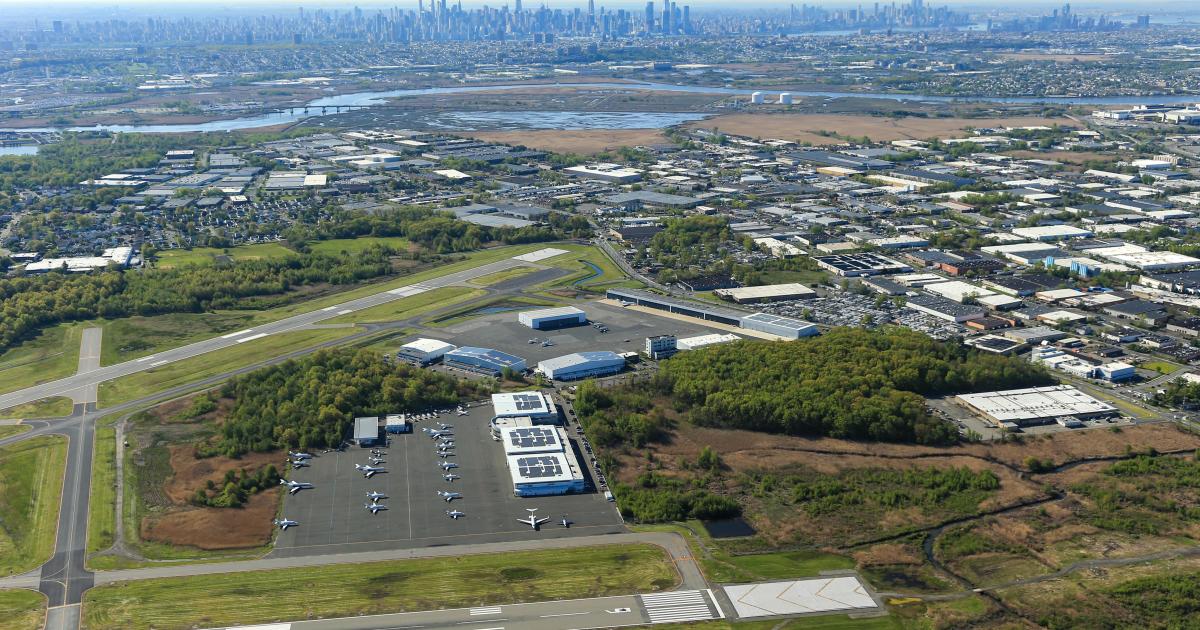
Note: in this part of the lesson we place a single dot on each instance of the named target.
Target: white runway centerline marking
(251, 338)
(236, 334)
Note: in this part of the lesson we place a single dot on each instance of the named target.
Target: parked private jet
(299, 463)
(376, 496)
(283, 523)
(441, 433)
(566, 522)
(445, 427)
(368, 471)
(533, 521)
(445, 454)
(449, 496)
(375, 507)
(295, 486)
(450, 477)
(455, 514)
(376, 460)
(299, 455)
(448, 465)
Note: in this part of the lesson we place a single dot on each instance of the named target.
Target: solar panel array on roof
(526, 401)
(533, 437)
(538, 467)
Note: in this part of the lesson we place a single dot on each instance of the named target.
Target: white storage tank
(785, 98)
(756, 98)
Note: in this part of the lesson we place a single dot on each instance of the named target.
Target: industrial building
(785, 327)
(661, 346)
(366, 431)
(424, 351)
(942, 308)
(582, 365)
(1036, 405)
(541, 461)
(483, 360)
(535, 406)
(703, 341)
(552, 318)
(766, 293)
(860, 264)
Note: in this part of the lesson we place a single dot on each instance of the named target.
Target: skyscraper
(650, 16)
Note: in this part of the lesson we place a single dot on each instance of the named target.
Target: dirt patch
(214, 528)
(189, 473)
(586, 141)
(807, 127)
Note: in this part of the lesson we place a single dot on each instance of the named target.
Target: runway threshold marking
(488, 610)
(251, 338)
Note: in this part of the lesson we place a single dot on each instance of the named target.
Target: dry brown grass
(583, 141)
(805, 127)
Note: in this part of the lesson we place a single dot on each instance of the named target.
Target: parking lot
(332, 517)
(502, 332)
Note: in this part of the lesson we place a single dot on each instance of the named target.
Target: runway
(87, 380)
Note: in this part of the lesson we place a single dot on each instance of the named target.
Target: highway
(86, 380)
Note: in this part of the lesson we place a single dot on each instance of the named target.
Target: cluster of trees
(237, 487)
(30, 303)
(1179, 393)
(437, 231)
(623, 416)
(311, 402)
(655, 498)
(690, 241)
(958, 488)
(850, 383)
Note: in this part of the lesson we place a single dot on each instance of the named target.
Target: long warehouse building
(485, 360)
(579, 365)
(786, 327)
(552, 318)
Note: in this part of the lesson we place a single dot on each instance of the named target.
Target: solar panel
(527, 437)
(538, 467)
(526, 402)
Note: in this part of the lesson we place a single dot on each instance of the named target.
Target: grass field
(378, 587)
(52, 354)
(31, 477)
(155, 380)
(53, 407)
(823, 622)
(583, 261)
(102, 506)
(807, 127)
(22, 609)
(7, 431)
(134, 337)
(582, 141)
(720, 565)
(207, 255)
(413, 306)
(1162, 367)
(807, 278)
(471, 311)
(357, 245)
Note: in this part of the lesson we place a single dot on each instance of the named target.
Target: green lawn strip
(1162, 367)
(102, 506)
(473, 310)
(721, 566)
(22, 609)
(501, 276)
(167, 259)
(411, 306)
(378, 587)
(135, 337)
(358, 245)
(806, 277)
(51, 354)
(9, 430)
(53, 407)
(157, 379)
(31, 478)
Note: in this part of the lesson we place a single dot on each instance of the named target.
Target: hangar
(786, 327)
(533, 405)
(485, 360)
(582, 365)
(541, 462)
(552, 318)
(424, 351)
(366, 431)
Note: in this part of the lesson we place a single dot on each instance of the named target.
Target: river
(586, 120)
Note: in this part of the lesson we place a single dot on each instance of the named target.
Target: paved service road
(83, 380)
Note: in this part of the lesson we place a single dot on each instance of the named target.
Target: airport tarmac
(502, 332)
(332, 517)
